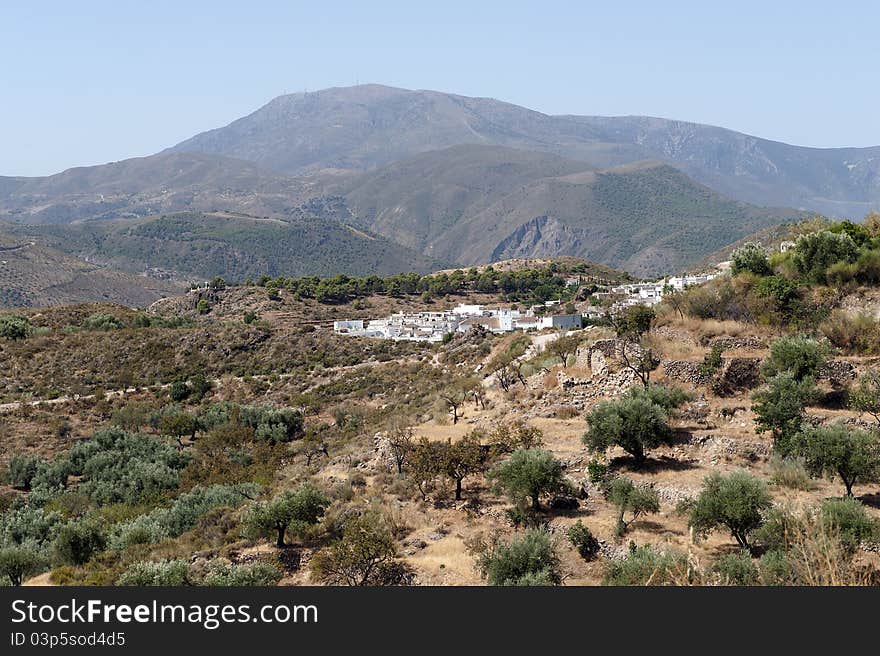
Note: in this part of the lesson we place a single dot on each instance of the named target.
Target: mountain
(195, 246)
(32, 274)
(474, 204)
(148, 185)
(466, 204)
(369, 126)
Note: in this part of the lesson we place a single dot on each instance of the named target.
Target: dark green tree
(738, 502)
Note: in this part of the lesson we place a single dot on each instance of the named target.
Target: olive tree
(528, 474)
(737, 501)
(865, 396)
(631, 498)
(839, 450)
(292, 511)
(780, 407)
(365, 554)
(636, 422)
(18, 562)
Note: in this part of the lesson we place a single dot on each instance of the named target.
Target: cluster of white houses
(433, 326)
(649, 293)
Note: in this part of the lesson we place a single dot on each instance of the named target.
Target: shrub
(780, 407)
(855, 334)
(245, 574)
(801, 356)
(736, 569)
(22, 469)
(19, 562)
(76, 542)
(713, 360)
(529, 559)
(848, 519)
(865, 396)
(816, 251)
(528, 474)
(180, 517)
(750, 258)
(101, 321)
(839, 450)
(27, 525)
(583, 540)
(119, 466)
(290, 511)
(648, 566)
(178, 391)
(631, 498)
(597, 472)
(15, 327)
(790, 472)
(364, 555)
(737, 501)
(162, 573)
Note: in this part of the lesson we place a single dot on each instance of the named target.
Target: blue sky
(92, 81)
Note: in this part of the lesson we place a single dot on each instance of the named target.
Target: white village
(434, 326)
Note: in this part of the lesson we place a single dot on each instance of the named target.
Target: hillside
(32, 274)
(474, 204)
(148, 185)
(238, 406)
(368, 126)
(466, 204)
(195, 246)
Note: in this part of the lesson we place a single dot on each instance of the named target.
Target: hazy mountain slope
(839, 181)
(149, 185)
(474, 204)
(368, 126)
(196, 246)
(416, 201)
(32, 274)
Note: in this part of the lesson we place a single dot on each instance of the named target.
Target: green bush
(584, 541)
(816, 251)
(750, 258)
(75, 542)
(180, 516)
(178, 391)
(781, 406)
(116, 466)
(101, 321)
(162, 573)
(27, 525)
(244, 574)
(18, 563)
(801, 356)
(15, 327)
(23, 469)
(847, 519)
(648, 566)
(631, 498)
(736, 569)
(529, 559)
